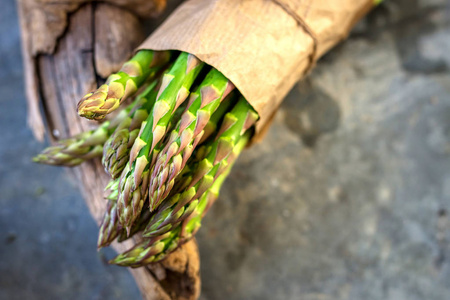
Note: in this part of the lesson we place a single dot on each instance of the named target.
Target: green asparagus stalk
(138, 226)
(86, 145)
(133, 188)
(117, 148)
(234, 124)
(181, 205)
(203, 174)
(185, 137)
(113, 188)
(110, 228)
(116, 151)
(119, 86)
(156, 248)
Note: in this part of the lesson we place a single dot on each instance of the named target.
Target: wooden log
(97, 39)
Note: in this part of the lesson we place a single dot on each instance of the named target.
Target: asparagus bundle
(134, 179)
(110, 227)
(167, 154)
(204, 173)
(157, 246)
(185, 137)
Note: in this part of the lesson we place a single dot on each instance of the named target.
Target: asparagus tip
(88, 113)
(118, 260)
(36, 159)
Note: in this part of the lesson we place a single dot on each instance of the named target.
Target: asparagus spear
(119, 86)
(86, 145)
(186, 136)
(110, 228)
(156, 248)
(138, 226)
(117, 147)
(206, 171)
(182, 204)
(134, 178)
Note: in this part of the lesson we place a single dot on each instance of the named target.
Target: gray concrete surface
(346, 198)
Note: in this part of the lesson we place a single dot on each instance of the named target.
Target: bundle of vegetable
(168, 152)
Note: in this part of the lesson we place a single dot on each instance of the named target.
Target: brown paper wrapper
(263, 46)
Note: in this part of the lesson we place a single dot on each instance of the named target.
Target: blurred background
(348, 196)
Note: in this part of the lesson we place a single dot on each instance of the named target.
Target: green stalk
(203, 174)
(156, 248)
(134, 178)
(117, 148)
(181, 205)
(188, 133)
(86, 145)
(110, 228)
(119, 86)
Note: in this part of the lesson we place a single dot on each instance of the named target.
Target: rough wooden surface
(45, 22)
(94, 45)
(48, 19)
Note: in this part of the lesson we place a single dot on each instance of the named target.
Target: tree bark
(96, 39)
